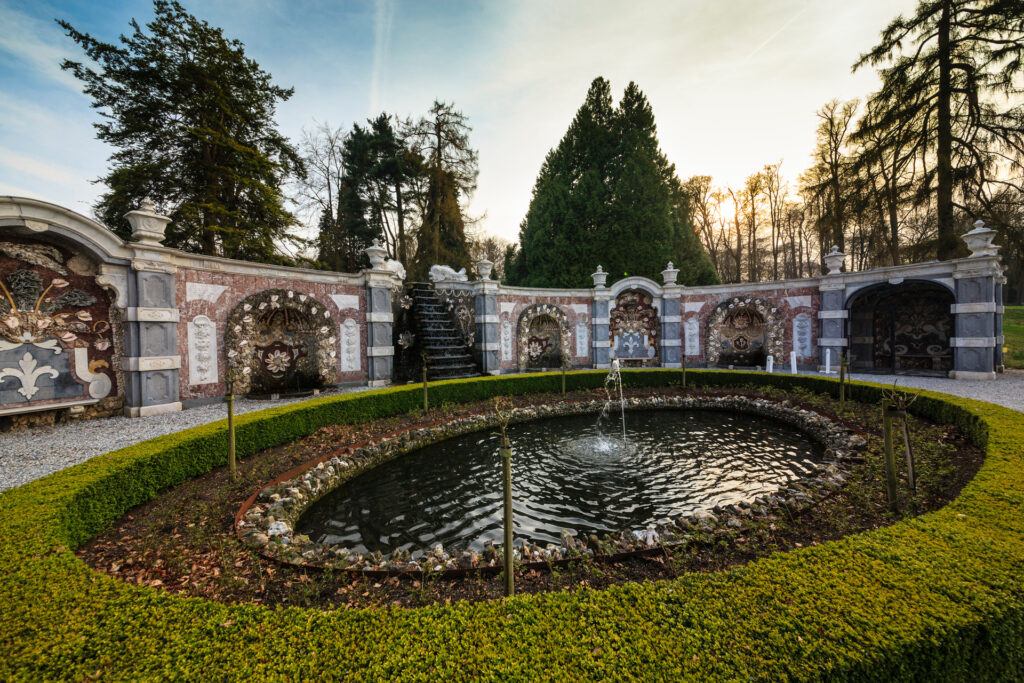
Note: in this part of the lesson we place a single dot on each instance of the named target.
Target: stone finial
(148, 226)
(834, 261)
(377, 254)
(979, 241)
(600, 277)
(483, 268)
(670, 274)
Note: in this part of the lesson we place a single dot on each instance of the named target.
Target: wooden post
(506, 469)
(911, 479)
(231, 437)
(563, 379)
(683, 369)
(842, 381)
(888, 413)
(426, 403)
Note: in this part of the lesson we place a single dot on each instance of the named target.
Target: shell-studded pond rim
(185, 540)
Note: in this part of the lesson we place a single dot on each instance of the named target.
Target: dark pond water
(566, 475)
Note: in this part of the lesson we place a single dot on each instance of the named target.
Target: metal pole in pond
(503, 408)
(231, 436)
(889, 411)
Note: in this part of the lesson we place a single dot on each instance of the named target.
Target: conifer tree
(191, 119)
(607, 195)
(954, 69)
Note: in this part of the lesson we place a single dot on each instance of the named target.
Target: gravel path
(33, 453)
(29, 454)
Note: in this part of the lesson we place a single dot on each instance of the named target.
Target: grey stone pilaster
(151, 362)
(380, 349)
(599, 322)
(832, 332)
(671, 327)
(974, 314)
(486, 340)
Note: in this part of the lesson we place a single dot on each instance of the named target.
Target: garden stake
(425, 402)
(683, 367)
(563, 376)
(231, 436)
(504, 410)
(888, 413)
(910, 453)
(843, 365)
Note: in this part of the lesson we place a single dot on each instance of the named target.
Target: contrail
(776, 34)
(381, 42)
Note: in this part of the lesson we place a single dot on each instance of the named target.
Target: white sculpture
(395, 267)
(438, 273)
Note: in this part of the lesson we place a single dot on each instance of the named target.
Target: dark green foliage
(607, 195)
(451, 167)
(191, 119)
(936, 597)
(952, 76)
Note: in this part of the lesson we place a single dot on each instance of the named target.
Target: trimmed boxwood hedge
(936, 597)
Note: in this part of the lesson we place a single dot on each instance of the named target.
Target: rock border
(267, 520)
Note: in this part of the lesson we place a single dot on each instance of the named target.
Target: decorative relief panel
(56, 340)
(582, 340)
(350, 356)
(691, 334)
(202, 351)
(802, 335)
(506, 340)
(634, 328)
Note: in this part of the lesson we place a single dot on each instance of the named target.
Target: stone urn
(377, 254)
(600, 277)
(484, 268)
(834, 261)
(979, 241)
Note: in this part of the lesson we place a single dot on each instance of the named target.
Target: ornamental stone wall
(92, 325)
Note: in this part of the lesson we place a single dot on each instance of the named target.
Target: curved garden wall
(934, 597)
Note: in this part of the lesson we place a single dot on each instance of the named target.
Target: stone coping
(267, 520)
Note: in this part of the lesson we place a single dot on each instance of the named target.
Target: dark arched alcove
(902, 328)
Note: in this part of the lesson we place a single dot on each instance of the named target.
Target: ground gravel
(33, 453)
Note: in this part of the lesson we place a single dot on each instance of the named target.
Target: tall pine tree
(607, 195)
(192, 121)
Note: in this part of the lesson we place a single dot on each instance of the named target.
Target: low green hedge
(937, 597)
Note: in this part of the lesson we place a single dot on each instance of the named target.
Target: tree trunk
(946, 245)
(402, 255)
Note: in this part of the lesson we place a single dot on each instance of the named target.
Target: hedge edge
(935, 597)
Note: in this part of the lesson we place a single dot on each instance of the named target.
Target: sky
(734, 84)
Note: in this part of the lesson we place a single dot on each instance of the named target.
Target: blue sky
(734, 83)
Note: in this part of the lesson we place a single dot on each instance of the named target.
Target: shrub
(934, 597)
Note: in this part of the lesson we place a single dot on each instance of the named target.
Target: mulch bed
(183, 540)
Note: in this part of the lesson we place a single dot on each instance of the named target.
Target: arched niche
(902, 328)
(744, 331)
(634, 328)
(279, 341)
(543, 336)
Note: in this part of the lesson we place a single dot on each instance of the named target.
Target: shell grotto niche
(744, 331)
(544, 337)
(57, 344)
(278, 341)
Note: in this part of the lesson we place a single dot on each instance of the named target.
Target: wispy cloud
(39, 45)
(383, 18)
(51, 173)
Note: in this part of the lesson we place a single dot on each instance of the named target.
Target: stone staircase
(439, 337)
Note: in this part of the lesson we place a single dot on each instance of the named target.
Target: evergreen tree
(192, 121)
(607, 195)
(954, 71)
(451, 169)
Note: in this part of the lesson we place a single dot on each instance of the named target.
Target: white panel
(200, 291)
(802, 335)
(692, 306)
(507, 306)
(691, 333)
(582, 339)
(344, 301)
(580, 308)
(506, 340)
(795, 301)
